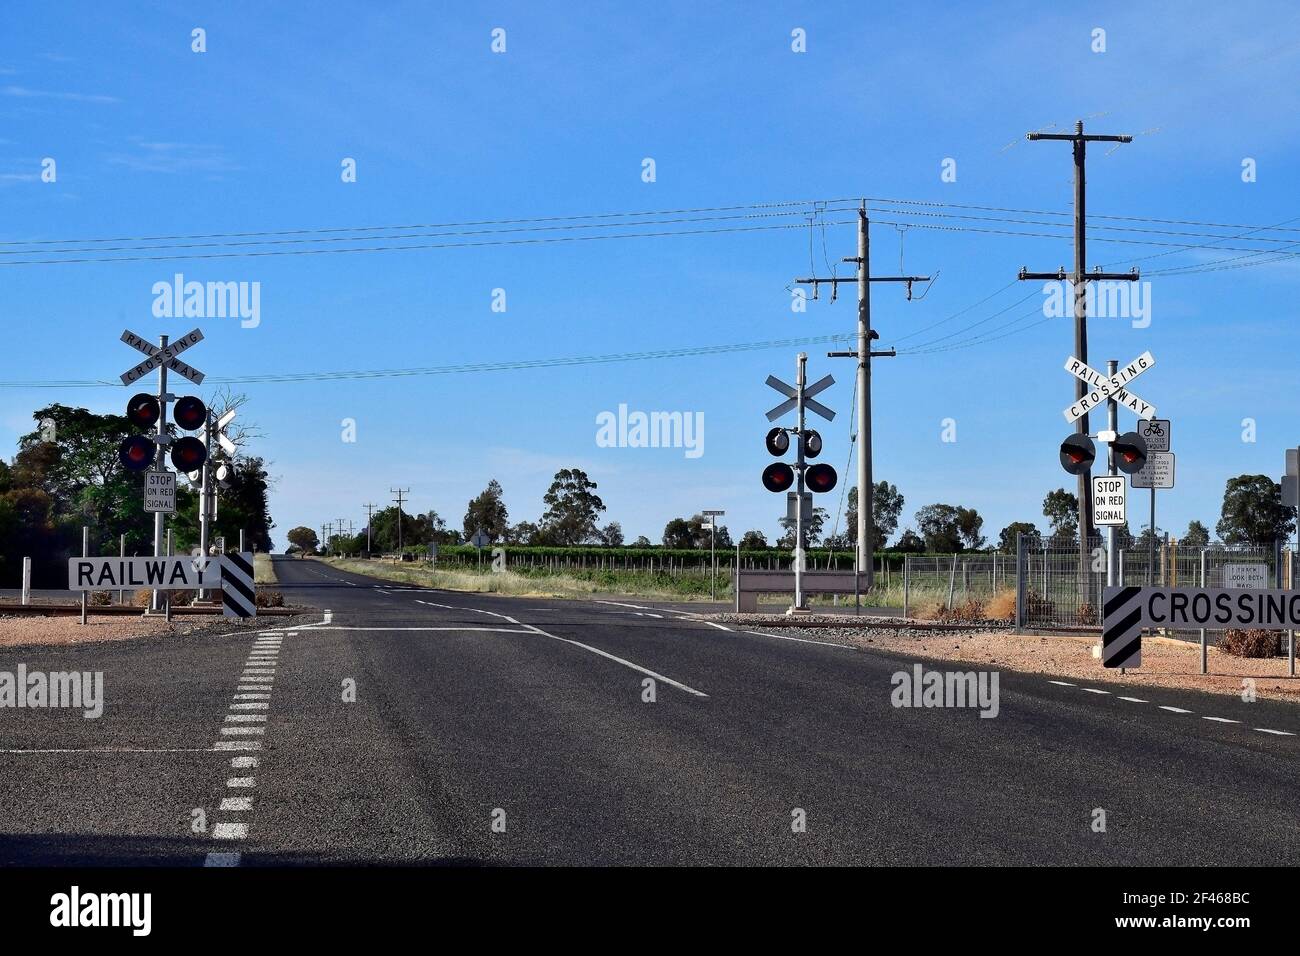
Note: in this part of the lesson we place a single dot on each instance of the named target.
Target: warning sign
(1110, 500)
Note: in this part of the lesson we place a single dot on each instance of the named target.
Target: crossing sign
(1103, 388)
(791, 394)
(1110, 500)
(158, 357)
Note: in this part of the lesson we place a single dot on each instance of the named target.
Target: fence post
(1290, 635)
(27, 580)
(1204, 640)
(1020, 582)
(952, 581)
(121, 553)
(907, 583)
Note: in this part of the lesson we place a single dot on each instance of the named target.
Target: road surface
(489, 730)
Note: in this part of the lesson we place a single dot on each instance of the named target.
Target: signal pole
(1080, 277)
(159, 519)
(864, 355)
(399, 492)
(370, 519)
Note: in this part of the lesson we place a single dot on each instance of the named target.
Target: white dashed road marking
(1172, 710)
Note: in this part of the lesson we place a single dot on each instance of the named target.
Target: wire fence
(1060, 588)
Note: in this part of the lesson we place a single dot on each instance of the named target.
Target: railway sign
(160, 492)
(1158, 472)
(808, 392)
(177, 572)
(1245, 576)
(1109, 500)
(1102, 388)
(157, 357)
(1155, 433)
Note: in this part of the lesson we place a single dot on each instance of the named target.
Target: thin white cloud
(25, 92)
(149, 157)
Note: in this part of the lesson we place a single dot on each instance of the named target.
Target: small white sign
(181, 572)
(1158, 472)
(1254, 576)
(1109, 500)
(1155, 433)
(160, 492)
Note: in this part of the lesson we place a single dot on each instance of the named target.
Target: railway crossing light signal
(137, 452)
(190, 413)
(1130, 452)
(778, 476)
(1077, 454)
(819, 478)
(143, 410)
(812, 444)
(778, 441)
(188, 454)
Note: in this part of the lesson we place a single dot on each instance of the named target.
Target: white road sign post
(1109, 500)
(159, 492)
(1158, 472)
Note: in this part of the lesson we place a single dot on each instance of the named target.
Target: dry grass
(1001, 607)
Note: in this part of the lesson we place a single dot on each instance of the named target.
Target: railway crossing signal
(1077, 454)
(1130, 452)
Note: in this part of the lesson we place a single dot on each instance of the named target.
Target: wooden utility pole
(1080, 277)
(864, 355)
(370, 519)
(398, 493)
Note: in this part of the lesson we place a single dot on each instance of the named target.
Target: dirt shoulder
(19, 631)
(1165, 662)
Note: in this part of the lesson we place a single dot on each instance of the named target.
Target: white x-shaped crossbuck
(1104, 388)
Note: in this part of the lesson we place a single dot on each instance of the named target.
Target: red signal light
(190, 413)
(143, 410)
(778, 476)
(136, 453)
(820, 478)
(188, 454)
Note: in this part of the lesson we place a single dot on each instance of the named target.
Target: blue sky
(152, 139)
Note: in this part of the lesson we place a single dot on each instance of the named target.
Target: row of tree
(1252, 513)
(67, 476)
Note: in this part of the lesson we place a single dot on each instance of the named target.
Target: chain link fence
(1058, 587)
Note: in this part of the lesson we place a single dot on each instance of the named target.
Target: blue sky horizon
(152, 139)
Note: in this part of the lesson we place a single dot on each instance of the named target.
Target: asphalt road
(490, 730)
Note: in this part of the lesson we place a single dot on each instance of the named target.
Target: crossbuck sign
(1103, 388)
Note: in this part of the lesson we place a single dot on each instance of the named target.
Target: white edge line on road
(117, 750)
(1221, 720)
(626, 663)
(639, 607)
(1135, 700)
(1062, 683)
(1280, 733)
(1094, 690)
(718, 626)
(1174, 710)
(494, 630)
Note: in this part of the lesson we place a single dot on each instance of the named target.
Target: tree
(304, 539)
(1196, 535)
(487, 513)
(525, 532)
(753, 541)
(641, 542)
(1253, 512)
(571, 507)
(677, 534)
(886, 507)
(1061, 509)
(1010, 535)
(242, 507)
(611, 536)
(909, 542)
(812, 531)
(941, 527)
(969, 524)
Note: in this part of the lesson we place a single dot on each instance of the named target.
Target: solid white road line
(497, 630)
(718, 626)
(620, 660)
(639, 607)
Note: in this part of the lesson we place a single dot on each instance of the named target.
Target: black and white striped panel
(238, 593)
(1121, 628)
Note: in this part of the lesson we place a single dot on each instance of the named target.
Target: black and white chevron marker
(1121, 628)
(238, 593)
